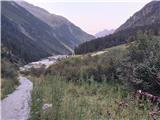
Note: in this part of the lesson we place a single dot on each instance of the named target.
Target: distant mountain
(146, 20)
(104, 33)
(148, 15)
(32, 37)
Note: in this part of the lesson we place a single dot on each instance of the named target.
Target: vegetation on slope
(87, 66)
(102, 86)
(137, 66)
(118, 38)
(9, 73)
(141, 68)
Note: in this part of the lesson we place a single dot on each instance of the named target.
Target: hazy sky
(93, 16)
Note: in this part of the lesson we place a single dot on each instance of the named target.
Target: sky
(92, 16)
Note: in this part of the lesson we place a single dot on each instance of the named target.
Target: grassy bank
(9, 80)
(8, 86)
(87, 66)
(100, 87)
(137, 65)
(85, 101)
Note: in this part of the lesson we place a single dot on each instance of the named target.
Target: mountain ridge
(32, 38)
(56, 21)
(150, 24)
(149, 14)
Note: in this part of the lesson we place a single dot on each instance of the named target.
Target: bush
(37, 71)
(143, 64)
(8, 70)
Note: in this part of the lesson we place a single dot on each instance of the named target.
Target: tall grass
(85, 101)
(9, 77)
(8, 86)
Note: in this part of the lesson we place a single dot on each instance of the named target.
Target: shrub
(8, 70)
(37, 71)
(142, 66)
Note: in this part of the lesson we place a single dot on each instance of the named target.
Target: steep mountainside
(31, 38)
(146, 20)
(148, 15)
(70, 34)
(104, 33)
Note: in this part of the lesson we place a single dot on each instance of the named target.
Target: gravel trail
(16, 106)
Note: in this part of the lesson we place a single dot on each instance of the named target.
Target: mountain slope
(24, 34)
(128, 31)
(70, 34)
(148, 15)
(30, 38)
(104, 33)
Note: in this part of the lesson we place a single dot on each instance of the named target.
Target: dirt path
(17, 105)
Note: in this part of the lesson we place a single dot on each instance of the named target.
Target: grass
(85, 101)
(89, 87)
(121, 48)
(9, 80)
(88, 66)
(8, 86)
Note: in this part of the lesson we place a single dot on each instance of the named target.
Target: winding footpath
(17, 105)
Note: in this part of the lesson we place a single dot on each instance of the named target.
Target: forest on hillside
(117, 38)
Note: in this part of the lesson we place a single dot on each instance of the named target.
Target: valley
(53, 70)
